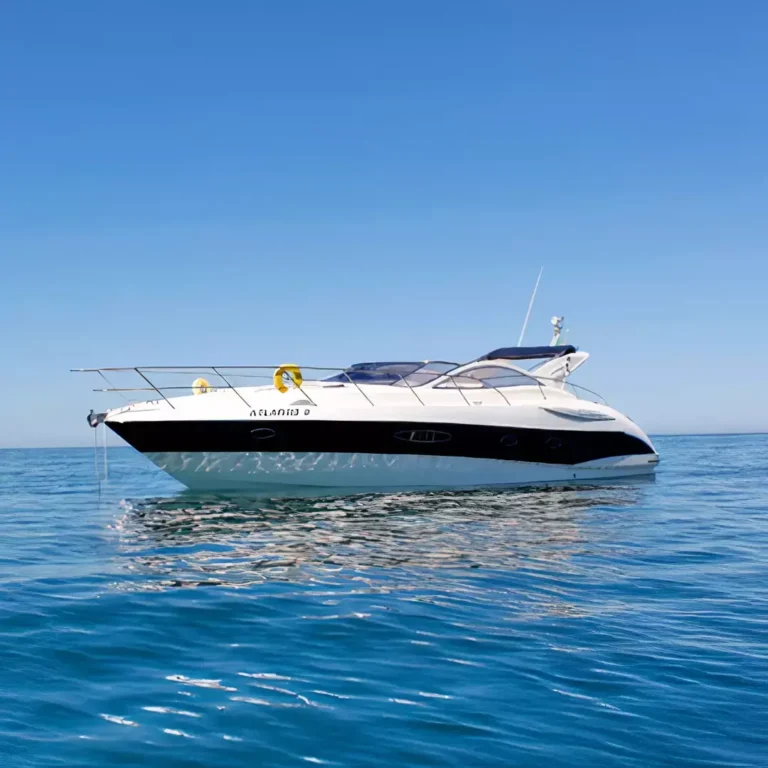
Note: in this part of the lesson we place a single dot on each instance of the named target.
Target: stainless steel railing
(240, 371)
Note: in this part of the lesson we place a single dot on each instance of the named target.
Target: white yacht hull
(313, 473)
(333, 439)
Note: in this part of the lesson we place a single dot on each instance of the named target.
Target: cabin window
(509, 441)
(425, 375)
(265, 433)
(422, 436)
(488, 377)
(393, 374)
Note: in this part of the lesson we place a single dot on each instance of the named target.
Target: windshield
(413, 374)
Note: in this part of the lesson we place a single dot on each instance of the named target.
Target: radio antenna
(530, 307)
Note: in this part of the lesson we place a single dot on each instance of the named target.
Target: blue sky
(246, 182)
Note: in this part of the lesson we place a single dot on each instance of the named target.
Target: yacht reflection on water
(194, 540)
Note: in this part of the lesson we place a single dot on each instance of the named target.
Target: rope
(104, 426)
(99, 477)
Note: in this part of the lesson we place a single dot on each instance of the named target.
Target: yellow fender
(201, 386)
(292, 371)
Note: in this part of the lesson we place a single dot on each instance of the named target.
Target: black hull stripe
(544, 446)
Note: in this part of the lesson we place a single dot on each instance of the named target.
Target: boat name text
(280, 412)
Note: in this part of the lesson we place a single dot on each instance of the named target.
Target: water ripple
(619, 625)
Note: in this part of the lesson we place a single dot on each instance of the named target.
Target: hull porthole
(265, 433)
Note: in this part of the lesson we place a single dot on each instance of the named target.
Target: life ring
(292, 371)
(201, 386)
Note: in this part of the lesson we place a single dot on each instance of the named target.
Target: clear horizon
(328, 183)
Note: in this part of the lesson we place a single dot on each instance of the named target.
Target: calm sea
(623, 625)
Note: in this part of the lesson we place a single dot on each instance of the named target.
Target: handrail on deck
(216, 370)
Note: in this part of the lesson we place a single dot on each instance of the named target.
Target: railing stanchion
(112, 386)
(234, 389)
(311, 401)
(461, 392)
(155, 388)
(411, 388)
(503, 395)
(352, 381)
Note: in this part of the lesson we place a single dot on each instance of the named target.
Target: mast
(530, 307)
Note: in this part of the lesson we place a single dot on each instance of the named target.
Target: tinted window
(489, 377)
(423, 436)
(262, 434)
(416, 373)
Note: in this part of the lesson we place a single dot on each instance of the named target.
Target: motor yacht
(509, 417)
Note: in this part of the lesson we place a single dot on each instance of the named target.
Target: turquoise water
(624, 625)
